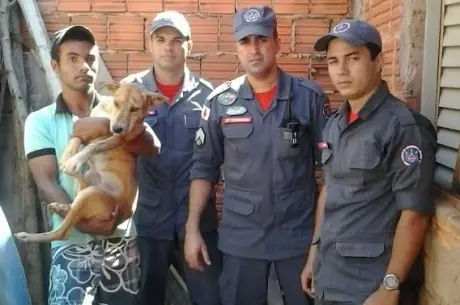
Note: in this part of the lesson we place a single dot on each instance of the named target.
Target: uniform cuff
(212, 177)
(417, 200)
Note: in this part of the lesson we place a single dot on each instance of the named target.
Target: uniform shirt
(164, 180)
(268, 205)
(47, 131)
(378, 165)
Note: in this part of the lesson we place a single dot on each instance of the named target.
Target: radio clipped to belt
(291, 122)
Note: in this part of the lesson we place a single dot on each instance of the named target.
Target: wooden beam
(39, 34)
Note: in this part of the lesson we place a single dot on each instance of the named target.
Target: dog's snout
(117, 129)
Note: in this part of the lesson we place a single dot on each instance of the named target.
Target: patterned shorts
(100, 272)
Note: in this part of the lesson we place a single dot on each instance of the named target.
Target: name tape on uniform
(236, 120)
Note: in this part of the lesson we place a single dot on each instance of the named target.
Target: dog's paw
(23, 236)
(57, 208)
(72, 166)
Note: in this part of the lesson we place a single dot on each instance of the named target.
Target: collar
(283, 90)
(372, 104)
(62, 108)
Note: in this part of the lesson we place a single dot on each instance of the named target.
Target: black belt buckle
(294, 127)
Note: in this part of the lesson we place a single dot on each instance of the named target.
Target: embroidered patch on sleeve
(200, 137)
(411, 154)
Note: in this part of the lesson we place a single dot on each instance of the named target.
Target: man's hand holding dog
(90, 128)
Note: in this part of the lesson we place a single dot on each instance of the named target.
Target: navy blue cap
(258, 20)
(355, 32)
(73, 31)
(172, 19)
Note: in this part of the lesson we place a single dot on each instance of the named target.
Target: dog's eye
(134, 109)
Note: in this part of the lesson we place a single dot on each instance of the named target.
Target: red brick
(204, 33)
(329, 7)
(295, 66)
(284, 33)
(126, 33)
(55, 22)
(74, 5)
(97, 24)
(139, 62)
(307, 32)
(142, 61)
(183, 6)
(219, 68)
(47, 6)
(320, 75)
(144, 6)
(226, 40)
(116, 64)
(108, 5)
(336, 100)
(194, 65)
(221, 6)
(291, 6)
(249, 3)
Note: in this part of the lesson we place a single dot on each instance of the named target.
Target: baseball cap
(73, 31)
(354, 31)
(258, 20)
(172, 19)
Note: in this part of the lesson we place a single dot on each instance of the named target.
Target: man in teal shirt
(96, 264)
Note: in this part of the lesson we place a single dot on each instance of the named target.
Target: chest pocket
(363, 162)
(191, 120)
(183, 130)
(285, 140)
(237, 138)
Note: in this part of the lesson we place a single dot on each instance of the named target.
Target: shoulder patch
(310, 85)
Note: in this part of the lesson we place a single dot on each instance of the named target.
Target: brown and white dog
(110, 178)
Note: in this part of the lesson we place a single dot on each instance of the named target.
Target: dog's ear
(155, 98)
(109, 87)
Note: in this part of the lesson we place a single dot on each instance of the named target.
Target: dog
(110, 179)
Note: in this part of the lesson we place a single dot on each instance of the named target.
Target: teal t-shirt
(47, 132)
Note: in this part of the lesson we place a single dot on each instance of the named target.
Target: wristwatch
(391, 282)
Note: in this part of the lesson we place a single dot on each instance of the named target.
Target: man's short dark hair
(374, 50)
(76, 32)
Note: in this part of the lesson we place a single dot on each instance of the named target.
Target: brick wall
(120, 27)
(386, 16)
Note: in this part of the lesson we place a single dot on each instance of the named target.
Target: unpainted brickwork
(120, 27)
(386, 15)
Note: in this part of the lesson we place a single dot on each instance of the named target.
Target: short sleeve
(37, 137)
(411, 164)
(208, 153)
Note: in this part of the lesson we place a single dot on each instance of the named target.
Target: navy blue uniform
(373, 168)
(268, 206)
(163, 194)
